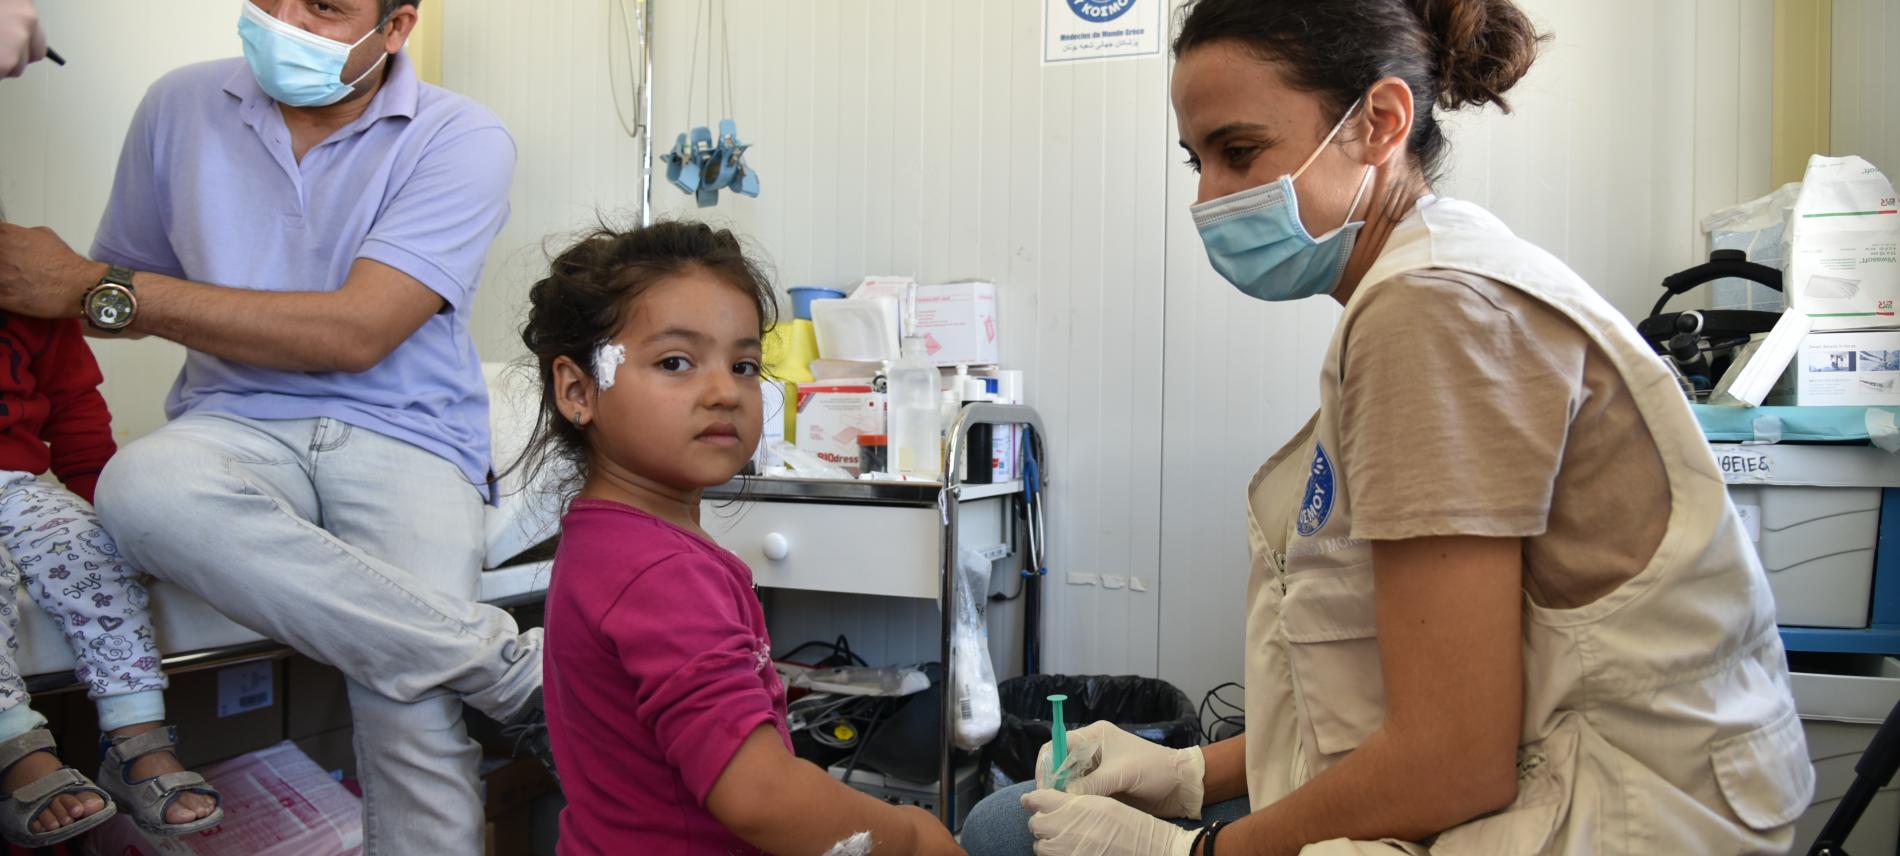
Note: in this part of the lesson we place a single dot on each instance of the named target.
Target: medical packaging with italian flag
(1844, 262)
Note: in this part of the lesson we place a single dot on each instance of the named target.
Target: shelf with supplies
(1882, 633)
(888, 539)
(1824, 518)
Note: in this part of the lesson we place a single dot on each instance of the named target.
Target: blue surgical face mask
(295, 66)
(1256, 240)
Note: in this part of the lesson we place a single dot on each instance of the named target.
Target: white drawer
(859, 549)
(1840, 713)
(1817, 545)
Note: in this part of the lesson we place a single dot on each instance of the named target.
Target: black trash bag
(1145, 707)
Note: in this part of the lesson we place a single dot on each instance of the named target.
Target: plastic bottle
(1008, 439)
(916, 434)
(979, 452)
(953, 403)
(951, 408)
(772, 395)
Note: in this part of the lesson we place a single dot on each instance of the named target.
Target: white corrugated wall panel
(901, 136)
(921, 139)
(1866, 105)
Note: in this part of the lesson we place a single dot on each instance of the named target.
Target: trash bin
(1146, 707)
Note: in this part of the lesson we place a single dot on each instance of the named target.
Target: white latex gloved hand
(1072, 825)
(21, 40)
(1158, 780)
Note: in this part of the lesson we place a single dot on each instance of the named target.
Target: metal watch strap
(117, 276)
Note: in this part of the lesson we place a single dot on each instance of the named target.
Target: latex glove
(21, 40)
(1072, 825)
(1158, 780)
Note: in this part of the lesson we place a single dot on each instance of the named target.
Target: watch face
(110, 308)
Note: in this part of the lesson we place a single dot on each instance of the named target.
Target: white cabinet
(892, 551)
(867, 558)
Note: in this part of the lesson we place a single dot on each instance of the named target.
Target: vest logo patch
(1317, 506)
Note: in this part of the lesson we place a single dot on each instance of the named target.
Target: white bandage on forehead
(607, 360)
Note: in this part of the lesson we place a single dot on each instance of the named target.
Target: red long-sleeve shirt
(51, 412)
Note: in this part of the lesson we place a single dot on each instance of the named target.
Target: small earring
(575, 418)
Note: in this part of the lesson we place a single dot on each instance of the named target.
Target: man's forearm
(289, 331)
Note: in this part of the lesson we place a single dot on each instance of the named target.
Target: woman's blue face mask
(294, 66)
(1256, 240)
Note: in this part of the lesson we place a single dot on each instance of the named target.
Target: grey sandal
(20, 809)
(147, 799)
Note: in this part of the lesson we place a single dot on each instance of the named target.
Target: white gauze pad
(856, 845)
(607, 360)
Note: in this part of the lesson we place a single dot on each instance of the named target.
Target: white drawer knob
(776, 547)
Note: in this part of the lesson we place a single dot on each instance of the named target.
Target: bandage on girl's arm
(782, 804)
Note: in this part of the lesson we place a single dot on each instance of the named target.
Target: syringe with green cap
(1059, 753)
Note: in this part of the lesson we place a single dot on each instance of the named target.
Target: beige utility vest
(1657, 719)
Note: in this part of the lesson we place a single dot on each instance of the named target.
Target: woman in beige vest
(1500, 602)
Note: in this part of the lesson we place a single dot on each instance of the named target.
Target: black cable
(1237, 719)
(841, 647)
(864, 740)
(1208, 702)
(844, 645)
(1032, 625)
(1038, 554)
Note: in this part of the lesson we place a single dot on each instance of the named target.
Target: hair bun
(1484, 47)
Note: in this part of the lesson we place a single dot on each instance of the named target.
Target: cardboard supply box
(833, 415)
(957, 321)
(1844, 258)
(277, 802)
(1858, 368)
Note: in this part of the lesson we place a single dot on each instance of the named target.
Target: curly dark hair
(585, 299)
(1452, 53)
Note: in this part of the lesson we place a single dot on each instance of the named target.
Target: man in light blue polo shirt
(311, 222)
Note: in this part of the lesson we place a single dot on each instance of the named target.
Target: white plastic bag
(1758, 227)
(979, 710)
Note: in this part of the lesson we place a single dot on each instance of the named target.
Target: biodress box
(833, 415)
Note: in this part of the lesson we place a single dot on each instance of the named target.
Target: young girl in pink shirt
(667, 718)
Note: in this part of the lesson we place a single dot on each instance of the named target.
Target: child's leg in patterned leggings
(74, 571)
(19, 519)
